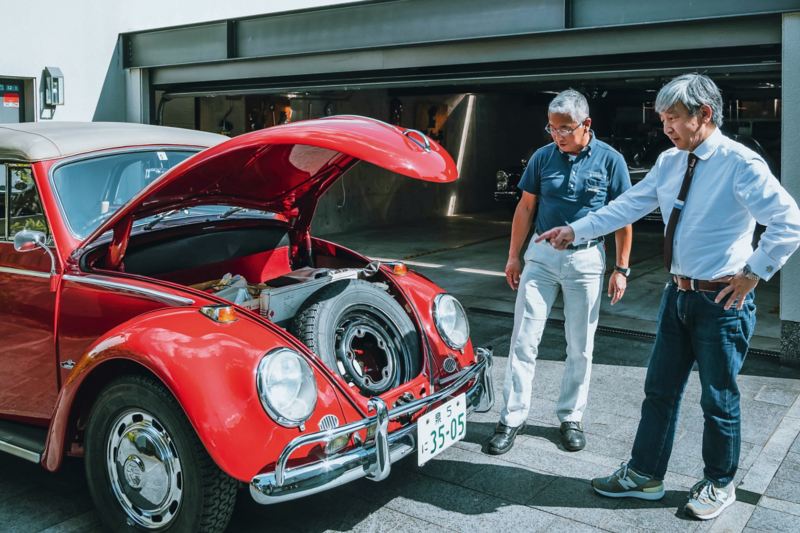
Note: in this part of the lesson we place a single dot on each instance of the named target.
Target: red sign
(10, 100)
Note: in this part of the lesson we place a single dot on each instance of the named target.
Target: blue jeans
(692, 328)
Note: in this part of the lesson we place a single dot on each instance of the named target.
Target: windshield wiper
(232, 211)
(159, 218)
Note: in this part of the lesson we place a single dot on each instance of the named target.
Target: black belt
(588, 244)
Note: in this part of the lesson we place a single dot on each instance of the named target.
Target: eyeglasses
(563, 132)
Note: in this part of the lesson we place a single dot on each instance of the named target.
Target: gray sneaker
(707, 501)
(627, 483)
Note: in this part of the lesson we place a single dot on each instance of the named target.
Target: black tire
(350, 313)
(146, 418)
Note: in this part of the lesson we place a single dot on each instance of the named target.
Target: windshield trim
(194, 150)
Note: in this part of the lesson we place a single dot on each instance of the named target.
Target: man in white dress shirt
(711, 191)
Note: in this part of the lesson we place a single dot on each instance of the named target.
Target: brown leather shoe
(503, 439)
(572, 437)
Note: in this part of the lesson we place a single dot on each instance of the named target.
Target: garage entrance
(489, 127)
(478, 80)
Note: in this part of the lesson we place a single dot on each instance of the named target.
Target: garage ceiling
(396, 43)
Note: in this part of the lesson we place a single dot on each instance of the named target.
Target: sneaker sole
(632, 494)
(715, 513)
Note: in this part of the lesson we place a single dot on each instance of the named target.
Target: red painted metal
(210, 369)
(278, 169)
(97, 319)
(28, 381)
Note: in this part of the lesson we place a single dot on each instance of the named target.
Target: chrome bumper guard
(374, 459)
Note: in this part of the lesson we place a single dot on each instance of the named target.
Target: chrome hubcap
(144, 469)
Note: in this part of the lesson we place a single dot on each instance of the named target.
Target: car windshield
(91, 190)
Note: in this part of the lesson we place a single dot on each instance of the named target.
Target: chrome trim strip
(22, 272)
(22, 453)
(116, 285)
(373, 461)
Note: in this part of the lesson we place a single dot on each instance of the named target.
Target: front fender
(210, 368)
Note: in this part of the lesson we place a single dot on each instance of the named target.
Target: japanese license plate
(441, 428)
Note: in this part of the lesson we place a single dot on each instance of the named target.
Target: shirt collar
(587, 148)
(709, 146)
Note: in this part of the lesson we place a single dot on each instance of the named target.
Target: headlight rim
(447, 340)
(264, 397)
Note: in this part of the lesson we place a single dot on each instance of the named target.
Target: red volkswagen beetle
(167, 314)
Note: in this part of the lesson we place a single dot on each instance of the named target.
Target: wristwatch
(749, 274)
(624, 271)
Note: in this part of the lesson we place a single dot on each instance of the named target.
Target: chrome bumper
(373, 460)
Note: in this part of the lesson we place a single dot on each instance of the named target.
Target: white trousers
(579, 274)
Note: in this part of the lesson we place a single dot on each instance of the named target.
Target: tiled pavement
(535, 487)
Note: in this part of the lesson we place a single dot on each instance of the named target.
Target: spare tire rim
(369, 350)
(144, 469)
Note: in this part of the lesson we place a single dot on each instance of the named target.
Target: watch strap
(624, 271)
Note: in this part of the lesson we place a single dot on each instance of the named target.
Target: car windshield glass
(91, 190)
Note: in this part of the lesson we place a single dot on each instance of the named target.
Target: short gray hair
(572, 103)
(693, 91)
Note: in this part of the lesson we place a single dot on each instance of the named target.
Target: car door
(28, 377)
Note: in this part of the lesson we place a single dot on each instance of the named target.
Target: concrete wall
(790, 178)
(482, 133)
(81, 37)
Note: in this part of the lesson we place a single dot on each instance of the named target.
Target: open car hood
(285, 169)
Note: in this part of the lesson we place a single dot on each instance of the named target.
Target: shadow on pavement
(409, 491)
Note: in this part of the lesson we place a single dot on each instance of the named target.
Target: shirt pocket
(595, 189)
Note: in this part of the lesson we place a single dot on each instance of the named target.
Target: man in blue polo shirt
(565, 180)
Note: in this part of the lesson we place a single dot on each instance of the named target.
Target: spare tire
(362, 333)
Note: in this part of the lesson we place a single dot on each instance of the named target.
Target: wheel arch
(209, 369)
(68, 427)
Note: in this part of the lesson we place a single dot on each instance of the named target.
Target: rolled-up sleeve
(769, 203)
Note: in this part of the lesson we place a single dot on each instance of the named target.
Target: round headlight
(502, 180)
(451, 321)
(286, 386)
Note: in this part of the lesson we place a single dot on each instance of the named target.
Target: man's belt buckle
(691, 281)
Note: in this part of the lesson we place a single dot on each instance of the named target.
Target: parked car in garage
(168, 315)
(507, 181)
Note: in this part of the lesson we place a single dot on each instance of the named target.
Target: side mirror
(29, 240)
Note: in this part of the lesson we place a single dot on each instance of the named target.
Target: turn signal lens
(400, 269)
(337, 444)
(224, 314)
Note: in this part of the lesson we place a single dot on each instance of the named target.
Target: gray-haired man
(565, 180)
(711, 190)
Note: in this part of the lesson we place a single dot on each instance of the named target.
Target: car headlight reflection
(286, 387)
(502, 180)
(451, 321)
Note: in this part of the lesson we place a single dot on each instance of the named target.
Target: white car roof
(38, 141)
